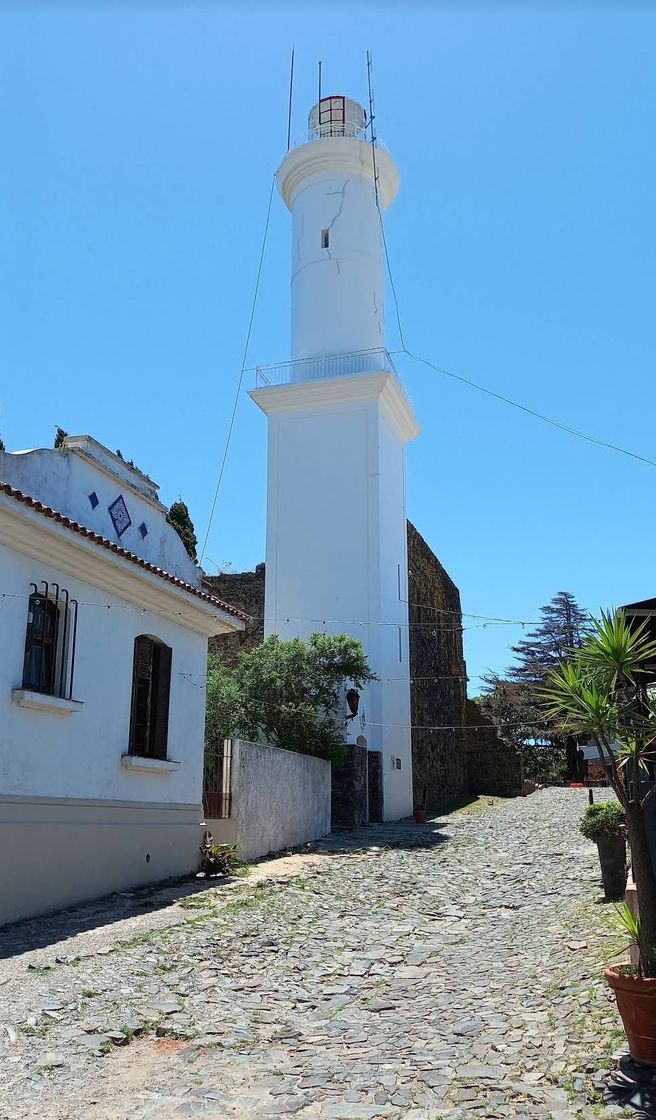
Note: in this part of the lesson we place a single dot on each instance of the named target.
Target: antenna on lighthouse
(289, 113)
(319, 91)
(372, 125)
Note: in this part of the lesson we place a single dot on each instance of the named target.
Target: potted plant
(635, 993)
(600, 691)
(216, 859)
(420, 808)
(604, 822)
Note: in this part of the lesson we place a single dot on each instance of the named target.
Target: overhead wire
(241, 372)
(289, 708)
(459, 377)
(433, 625)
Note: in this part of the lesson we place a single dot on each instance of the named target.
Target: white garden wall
(281, 799)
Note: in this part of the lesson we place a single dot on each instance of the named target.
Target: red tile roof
(75, 527)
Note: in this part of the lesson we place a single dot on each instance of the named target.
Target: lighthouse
(338, 423)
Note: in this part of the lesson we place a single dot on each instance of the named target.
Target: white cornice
(28, 532)
(343, 155)
(304, 395)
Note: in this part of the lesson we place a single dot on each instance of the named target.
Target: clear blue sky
(138, 143)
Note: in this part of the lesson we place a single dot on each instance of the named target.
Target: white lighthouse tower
(339, 419)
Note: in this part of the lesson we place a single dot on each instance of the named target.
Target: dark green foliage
(602, 821)
(288, 694)
(2, 444)
(544, 762)
(178, 517)
(60, 436)
(217, 859)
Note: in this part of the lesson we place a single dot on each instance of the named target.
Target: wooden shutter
(159, 721)
(140, 714)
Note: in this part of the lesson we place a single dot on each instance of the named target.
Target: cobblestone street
(402, 971)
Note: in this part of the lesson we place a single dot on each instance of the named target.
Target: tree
(288, 693)
(179, 517)
(602, 692)
(2, 444)
(562, 628)
(514, 700)
(60, 436)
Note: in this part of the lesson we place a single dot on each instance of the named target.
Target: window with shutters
(151, 687)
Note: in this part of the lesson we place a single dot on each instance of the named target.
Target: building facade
(338, 423)
(105, 626)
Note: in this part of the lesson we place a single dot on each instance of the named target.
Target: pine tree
(562, 628)
(514, 701)
(179, 517)
(60, 436)
(2, 444)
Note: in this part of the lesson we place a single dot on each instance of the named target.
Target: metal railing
(322, 368)
(347, 128)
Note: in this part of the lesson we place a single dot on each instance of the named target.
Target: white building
(102, 667)
(339, 419)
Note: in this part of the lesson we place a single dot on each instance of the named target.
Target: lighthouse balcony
(321, 368)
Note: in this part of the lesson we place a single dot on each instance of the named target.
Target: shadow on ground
(52, 929)
(632, 1086)
(55, 929)
(396, 834)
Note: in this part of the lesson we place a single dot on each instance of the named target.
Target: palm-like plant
(600, 692)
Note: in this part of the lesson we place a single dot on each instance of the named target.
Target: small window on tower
(325, 238)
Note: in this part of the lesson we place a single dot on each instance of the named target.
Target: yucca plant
(600, 692)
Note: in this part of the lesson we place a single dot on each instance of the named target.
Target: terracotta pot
(612, 858)
(636, 1003)
(420, 816)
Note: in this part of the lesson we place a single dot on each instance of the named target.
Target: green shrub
(217, 859)
(603, 821)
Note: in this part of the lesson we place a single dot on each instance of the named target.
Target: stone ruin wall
(438, 687)
(244, 590)
(493, 765)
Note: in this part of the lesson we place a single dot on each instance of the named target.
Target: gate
(217, 780)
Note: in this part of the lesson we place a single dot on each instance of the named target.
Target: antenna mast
(372, 118)
(289, 113)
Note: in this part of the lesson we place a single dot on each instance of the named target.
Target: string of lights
(395, 623)
(289, 708)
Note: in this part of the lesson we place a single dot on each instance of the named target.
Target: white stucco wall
(338, 291)
(63, 479)
(78, 755)
(281, 799)
(347, 278)
(336, 550)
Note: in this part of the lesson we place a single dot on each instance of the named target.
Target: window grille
(50, 640)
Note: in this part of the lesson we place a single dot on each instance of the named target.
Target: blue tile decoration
(118, 511)
(143, 529)
(94, 499)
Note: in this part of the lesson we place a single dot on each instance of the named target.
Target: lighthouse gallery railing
(316, 369)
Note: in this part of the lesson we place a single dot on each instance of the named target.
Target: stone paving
(415, 972)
